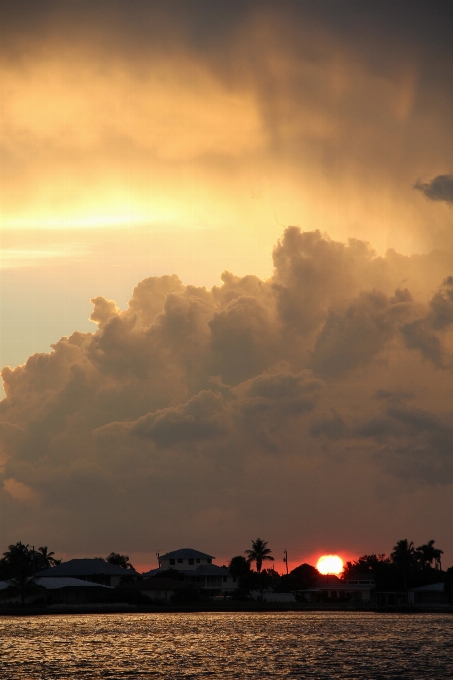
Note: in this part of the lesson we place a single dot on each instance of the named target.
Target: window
(190, 561)
(198, 560)
(180, 561)
(209, 561)
(172, 561)
(224, 579)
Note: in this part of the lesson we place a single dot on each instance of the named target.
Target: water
(225, 645)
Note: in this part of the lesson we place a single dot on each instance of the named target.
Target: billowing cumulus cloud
(197, 412)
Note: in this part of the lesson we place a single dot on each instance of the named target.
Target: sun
(330, 564)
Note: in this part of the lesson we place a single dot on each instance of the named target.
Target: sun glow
(88, 220)
(330, 564)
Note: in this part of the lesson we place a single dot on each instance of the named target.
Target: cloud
(201, 418)
(439, 189)
(20, 491)
(431, 333)
(352, 337)
(414, 443)
(103, 310)
(198, 408)
(157, 109)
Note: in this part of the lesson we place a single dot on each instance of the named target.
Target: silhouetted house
(184, 559)
(210, 577)
(197, 569)
(156, 588)
(430, 596)
(56, 591)
(330, 588)
(93, 570)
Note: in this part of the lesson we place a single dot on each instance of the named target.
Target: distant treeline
(405, 567)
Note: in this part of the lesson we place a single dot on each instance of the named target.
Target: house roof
(86, 567)
(152, 572)
(52, 583)
(324, 580)
(156, 584)
(434, 587)
(55, 583)
(201, 570)
(364, 576)
(185, 552)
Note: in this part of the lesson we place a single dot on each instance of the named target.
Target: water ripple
(228, 645)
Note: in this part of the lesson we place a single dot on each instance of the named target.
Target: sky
(226, 272)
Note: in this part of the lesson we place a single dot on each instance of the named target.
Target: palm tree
(404, 557)
(437, 559)
(45, 558)
(20, 565)
(259, 553)
(403, 552)
(427, 554)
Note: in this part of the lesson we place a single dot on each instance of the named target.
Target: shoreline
(239, 607)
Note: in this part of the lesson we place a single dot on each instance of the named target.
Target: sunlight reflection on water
(228, 645)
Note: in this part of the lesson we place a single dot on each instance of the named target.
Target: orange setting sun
(329, 564)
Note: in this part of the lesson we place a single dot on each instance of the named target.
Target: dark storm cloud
(426, 333)
(414, 443)
(317, 95)
(181, 402)
(332, 427)
(204, 22)
(200, 418)
(354, 336)
(439, 189)
(385, 37)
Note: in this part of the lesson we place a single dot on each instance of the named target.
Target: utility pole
(285, 559)
(158, 559)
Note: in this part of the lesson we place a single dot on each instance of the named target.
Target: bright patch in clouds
(330, 564)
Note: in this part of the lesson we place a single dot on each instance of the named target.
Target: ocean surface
(228, 645)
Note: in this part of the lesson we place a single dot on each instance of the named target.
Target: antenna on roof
(158, 559)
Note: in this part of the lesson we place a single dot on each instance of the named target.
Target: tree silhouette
(119, 560)
(404, 557)
(239, 566)
(45, 559)
(305, 575)
(427, 554)
(258, 553)
(364, 564)
(19, 562)
(404, 553)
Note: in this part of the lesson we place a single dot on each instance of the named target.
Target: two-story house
(198, 570)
